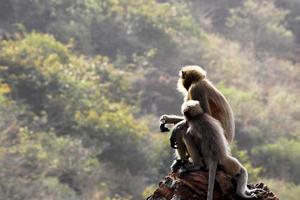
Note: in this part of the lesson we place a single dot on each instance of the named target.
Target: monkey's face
(191, 108)
(190, 74)
(185, 78)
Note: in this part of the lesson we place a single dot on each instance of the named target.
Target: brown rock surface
(193, 186)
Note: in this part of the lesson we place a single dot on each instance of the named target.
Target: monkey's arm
(168, 119)
(171, 119)
(198, 92)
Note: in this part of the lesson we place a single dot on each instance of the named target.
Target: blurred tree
(36, 165)
(293, 17)
(285, 190)
(76, 96)
(261, 23)
(283, 151)
(106, 106)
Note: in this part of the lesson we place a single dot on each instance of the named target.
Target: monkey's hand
(163, 128)
(163, 121)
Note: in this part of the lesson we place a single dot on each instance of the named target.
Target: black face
(182, 74)
(187, 114)
(186, 79)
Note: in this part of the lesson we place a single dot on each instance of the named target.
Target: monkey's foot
(251, 194)
(256, 190)
(177, 164)
(183, 170)
(248, 196)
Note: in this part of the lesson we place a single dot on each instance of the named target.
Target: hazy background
(83, 83)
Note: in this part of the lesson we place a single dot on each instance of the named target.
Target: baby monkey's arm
(169, 119)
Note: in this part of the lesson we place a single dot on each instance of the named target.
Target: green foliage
(284, 190)
(283, 151)
(35, 164)
(159, 13)
(109, 27)
(261, 22)
(59, 17)
(72, 95)
(43, 73)
(63, 113)
(35, 167)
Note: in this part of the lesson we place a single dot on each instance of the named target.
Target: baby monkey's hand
(163, 121)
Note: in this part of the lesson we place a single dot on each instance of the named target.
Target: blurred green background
(83, 83)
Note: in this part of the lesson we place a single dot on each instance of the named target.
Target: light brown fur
(206, 137)
(194, 85)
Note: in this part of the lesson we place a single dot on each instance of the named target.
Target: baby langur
(205, 137)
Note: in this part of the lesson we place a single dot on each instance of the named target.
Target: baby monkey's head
(191, 108)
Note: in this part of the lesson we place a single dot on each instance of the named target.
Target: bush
(280, 159)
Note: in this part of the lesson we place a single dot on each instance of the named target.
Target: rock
(193, 186)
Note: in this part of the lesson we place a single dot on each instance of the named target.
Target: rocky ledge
(193, 186)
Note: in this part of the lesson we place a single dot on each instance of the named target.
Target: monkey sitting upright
(194, 85)
(205, 137)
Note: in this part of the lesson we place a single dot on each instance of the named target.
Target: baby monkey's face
(191, 108)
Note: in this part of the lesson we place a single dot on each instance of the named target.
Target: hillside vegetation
(83, 83)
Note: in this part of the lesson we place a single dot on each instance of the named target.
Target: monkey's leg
(233, 167)
(193, 150)
(180, 152)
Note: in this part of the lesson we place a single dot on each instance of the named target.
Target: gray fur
(208, 134)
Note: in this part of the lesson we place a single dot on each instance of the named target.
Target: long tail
(211, 179)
